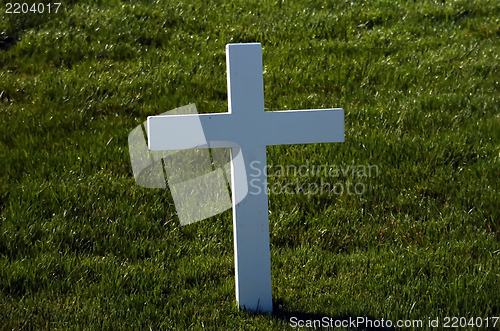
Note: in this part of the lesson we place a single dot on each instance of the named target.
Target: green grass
(82, 246)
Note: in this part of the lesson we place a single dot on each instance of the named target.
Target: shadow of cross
(247, 129)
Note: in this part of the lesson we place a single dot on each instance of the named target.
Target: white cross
(247, 129)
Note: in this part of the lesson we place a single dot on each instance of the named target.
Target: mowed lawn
(411, 231)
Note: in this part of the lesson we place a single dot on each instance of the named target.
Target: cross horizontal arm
(304, 126)
(170, 132)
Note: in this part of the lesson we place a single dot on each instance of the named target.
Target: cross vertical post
(252, 256)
